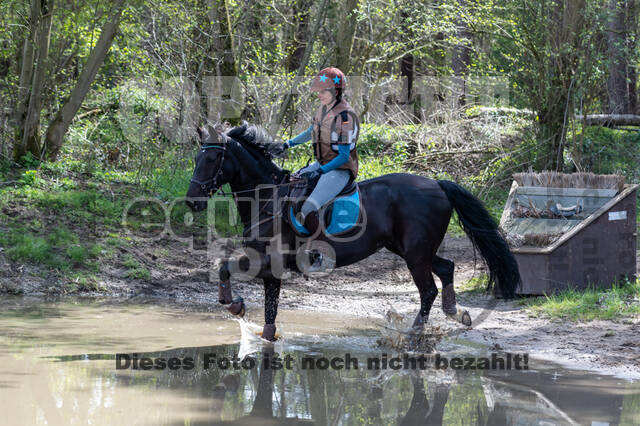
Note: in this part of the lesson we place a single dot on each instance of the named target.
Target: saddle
(339, 215)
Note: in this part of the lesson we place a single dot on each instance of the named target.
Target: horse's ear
(214, 135)
(204, 134)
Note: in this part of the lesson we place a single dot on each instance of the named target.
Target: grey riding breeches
(329, 185)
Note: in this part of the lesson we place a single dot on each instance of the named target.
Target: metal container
(595, 248)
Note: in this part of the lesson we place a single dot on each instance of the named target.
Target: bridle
(208, 185)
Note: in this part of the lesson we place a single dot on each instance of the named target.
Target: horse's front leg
(271, 296)
(271, 293)
(225, 296)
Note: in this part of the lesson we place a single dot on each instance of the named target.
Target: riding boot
(312, 222)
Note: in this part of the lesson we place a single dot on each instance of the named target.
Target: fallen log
(610, 120)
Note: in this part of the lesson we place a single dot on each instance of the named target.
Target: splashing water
(398, 335)
(251, 340)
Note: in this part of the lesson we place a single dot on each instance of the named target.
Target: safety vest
(339, 125)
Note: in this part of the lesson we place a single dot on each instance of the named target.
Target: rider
(334, 133)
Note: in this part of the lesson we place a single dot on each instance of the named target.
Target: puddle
(58, 367)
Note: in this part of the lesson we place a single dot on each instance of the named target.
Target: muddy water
(58, 366)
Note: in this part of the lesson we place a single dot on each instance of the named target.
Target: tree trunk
(31, 135)
(616, 40)
(552, 132)
(223, 39)
(610, 120)
(345, 35)
(222, 89)
(406, 71)
(461, 59)
(303, 64)
(632, 75)
(300, 35)
(556, 106)
(203, 66)
(26, 78)
(60, 124)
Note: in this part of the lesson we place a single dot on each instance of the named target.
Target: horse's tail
(483, 232)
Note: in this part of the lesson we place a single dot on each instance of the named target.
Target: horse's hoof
(236, 308)
(461, 316)
(465, 318)
(450, 310)
(420, 321)
(269, 332)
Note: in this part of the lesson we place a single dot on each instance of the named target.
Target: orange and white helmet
(327, 79)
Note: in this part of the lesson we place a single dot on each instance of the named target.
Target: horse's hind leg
(443, 268)
(421, 273)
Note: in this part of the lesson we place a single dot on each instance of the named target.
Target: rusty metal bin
(596, 248)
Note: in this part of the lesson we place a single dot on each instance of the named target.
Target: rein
(208, 186)
(214, 180)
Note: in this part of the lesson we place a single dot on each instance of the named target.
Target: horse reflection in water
(428, 404)
(262, 411)
(421, 410)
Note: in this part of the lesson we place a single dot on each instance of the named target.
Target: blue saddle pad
(346, 210)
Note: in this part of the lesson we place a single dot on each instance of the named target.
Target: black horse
(407, 214)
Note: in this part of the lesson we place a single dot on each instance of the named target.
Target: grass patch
(29, 247)
(61, 237)
(81, 282)
(622, 300)
(58, 249)
(475, 285)
(77, 254)
(135, 269)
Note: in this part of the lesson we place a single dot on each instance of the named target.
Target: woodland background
(99, 101)
(77, 72)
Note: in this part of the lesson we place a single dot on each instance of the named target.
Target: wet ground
(59, 365)
(368, 290)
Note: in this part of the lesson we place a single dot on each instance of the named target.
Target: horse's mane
(255, 139)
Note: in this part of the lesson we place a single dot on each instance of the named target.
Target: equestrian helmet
(327, 79)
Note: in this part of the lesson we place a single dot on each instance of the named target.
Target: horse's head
(211, 171)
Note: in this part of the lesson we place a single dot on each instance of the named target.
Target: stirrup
(321, 263)
(317, 265)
